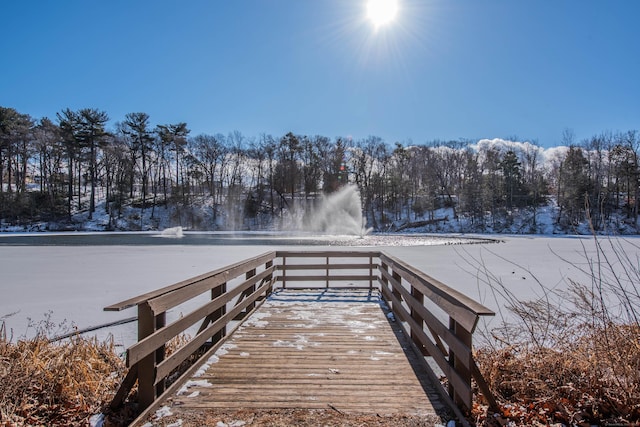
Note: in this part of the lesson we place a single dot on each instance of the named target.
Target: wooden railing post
(383, 278)
(267, 266)
(396, 293)
(284, 272)
(161, 321)
(148, 323)
(217, 314)
(465, 374)
(419, 297)
(327, 273)
(370, 272)
(251, 289)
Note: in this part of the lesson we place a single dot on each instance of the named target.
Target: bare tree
(211, 152)
(48, 144)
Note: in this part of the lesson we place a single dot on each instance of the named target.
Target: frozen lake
(74, 279)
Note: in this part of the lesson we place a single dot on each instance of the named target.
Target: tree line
(52, 169)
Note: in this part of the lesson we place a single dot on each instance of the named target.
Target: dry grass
(63, 383)
(572, 356)
(55, 384)
(592, 381)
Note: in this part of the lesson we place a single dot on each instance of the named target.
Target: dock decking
(302, 350)
(313, 349)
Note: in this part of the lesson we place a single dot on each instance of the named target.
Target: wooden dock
(306, 343)
(313, 349)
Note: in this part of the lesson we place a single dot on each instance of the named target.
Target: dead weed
(62, 383)
(594, 380)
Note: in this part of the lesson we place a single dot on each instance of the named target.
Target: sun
(382, 12)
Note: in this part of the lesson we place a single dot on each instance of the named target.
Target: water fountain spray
(339, 213)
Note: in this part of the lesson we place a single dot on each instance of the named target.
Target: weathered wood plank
(375, 408)
(302, 352)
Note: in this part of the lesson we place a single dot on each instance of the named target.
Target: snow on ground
(74, 283)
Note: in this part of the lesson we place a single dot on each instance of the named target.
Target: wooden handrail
(332, 254)
(146, 358)
(450, 345)
(154, 341)
(132, 302)
(460, 307)
(403, 287)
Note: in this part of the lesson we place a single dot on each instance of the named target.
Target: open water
(230, 238)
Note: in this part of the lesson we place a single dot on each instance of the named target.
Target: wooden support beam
(147, 365)
(284, 272)
(418, 297)
(125, 387)
(269, 266)
(251, 289)
(217, 314)
(327, 273)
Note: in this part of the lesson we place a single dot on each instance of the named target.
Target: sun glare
(382, 12)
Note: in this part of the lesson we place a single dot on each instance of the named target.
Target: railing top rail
(327, 253)
(131, 302)
(443, 291)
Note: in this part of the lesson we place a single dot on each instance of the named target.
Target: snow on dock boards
(311, 349)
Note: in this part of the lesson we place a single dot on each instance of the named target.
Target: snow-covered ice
(74, 283)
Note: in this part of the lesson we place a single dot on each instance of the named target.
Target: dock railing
(422, 304)
(415, 298)
(146, 359)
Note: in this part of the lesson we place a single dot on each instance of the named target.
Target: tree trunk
(70, 187)
(92, 172)
(79, 185)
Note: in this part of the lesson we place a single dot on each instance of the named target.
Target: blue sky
(442, 70)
